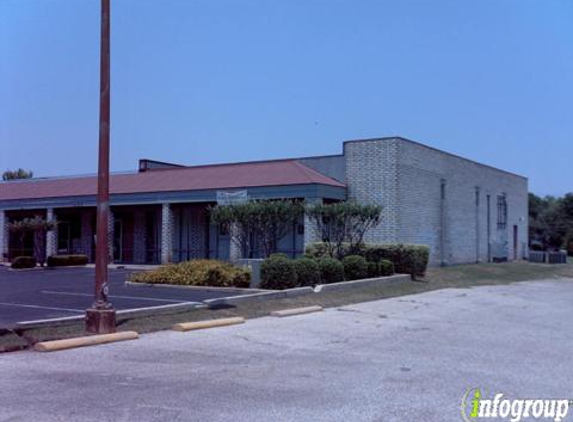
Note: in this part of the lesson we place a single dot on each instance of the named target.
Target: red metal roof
(222, 176)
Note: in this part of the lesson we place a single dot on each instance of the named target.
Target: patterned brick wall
(52, 235)
(4, 236)
(166, 234)
(372, 178)
(311, 231)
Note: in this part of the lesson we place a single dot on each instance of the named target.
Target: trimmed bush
(67, 260)
(319, 250)
(278, 273)
(385, 268)
(201, 272)
(331, 270)
(307, 271)
(570, 246)
(407, 259)
(355, 267)
(373, 269)
(23, 262)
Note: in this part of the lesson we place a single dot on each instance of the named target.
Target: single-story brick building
(464, 211)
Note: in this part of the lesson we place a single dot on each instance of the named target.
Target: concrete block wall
(467, 185)
(409, 179)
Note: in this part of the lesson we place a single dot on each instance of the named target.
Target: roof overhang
(194, 196)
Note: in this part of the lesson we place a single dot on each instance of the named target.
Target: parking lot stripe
(22, 305)
(152, 299)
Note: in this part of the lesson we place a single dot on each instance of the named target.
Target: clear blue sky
(202, 81)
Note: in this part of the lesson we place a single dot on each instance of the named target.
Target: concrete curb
(160, 310)
(136, 267)
(357, 284)
(237, 300)
(296, 311)
(199, 325)
(200, 288)
(122, 314)
(51, 322)
(52, 346)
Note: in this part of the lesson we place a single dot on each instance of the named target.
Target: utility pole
(100, 318)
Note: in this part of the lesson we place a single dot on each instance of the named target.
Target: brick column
(311, 231)
(235, 252)
(4, 236)
(52, 235)
(166, 234)
(139, 240)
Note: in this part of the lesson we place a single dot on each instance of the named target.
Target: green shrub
(355, 267)
(278, 273)
(201, 272)
(307, 271)
(331, 270)
(385, 268)
(24, 262)
(319, 250)
(67, 260)
(407, 259)
(373, 269)
(570, 246)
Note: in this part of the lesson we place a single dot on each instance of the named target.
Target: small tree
(342, 222)
(17, 174)
(274, 219)
(262, 222)
(239, 218)
(39, 227)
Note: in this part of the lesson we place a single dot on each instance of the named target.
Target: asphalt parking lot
(410, 358)
(43, 294)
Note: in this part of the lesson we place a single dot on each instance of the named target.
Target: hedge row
(279, 272)
(407, 259)
(23, 262)
(67, 260)
(200, 272)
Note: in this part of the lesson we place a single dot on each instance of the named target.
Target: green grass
(468, 275)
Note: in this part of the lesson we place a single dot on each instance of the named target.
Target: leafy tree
(38, 226)
(550, 220)
(343, 222)
(17, 174)
(258, 224)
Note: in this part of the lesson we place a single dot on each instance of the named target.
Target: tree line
(551, 222)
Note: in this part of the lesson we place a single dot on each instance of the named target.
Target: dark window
(501, 212)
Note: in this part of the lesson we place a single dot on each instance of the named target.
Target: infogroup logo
(475, 407)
